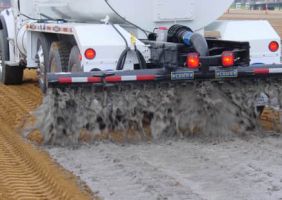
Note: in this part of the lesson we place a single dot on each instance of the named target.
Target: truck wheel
(74, 60)
(8, 74)
(58, 57)
(43, 48)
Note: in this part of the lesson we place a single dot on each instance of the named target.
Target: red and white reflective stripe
(128, 78)
(146, 78)
(86, 80)
(112, 79)
(94, 80)
(261, 71)
(268, 71)
(109, 79)
(275, 70)
(66, 80)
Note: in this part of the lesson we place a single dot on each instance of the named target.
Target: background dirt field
(27, 172)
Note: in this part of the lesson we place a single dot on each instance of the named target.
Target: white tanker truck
(105, 43)
(63, 36)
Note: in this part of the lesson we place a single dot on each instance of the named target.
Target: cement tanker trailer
(104, 28)
(96, 47)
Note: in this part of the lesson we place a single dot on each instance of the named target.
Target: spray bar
(178, 74)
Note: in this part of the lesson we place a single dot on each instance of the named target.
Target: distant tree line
(259, 4)
(258, 1)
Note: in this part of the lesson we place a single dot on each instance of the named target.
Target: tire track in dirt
(27, 172)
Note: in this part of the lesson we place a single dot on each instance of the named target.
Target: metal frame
(104, 38)
(106, 78)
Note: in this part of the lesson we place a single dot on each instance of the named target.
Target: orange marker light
(227, 59)
(193, 61)
(273, 46)
(90, 54)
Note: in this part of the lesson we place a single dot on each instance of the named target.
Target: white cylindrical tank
(147, 14)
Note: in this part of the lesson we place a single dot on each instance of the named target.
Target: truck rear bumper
(178, 74)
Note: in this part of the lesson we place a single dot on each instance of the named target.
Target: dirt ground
(169, 170)
(184, 169)
(180, 170)
(27, 172)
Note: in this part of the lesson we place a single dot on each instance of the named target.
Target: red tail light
(193, 61)
(90, 54)
(273, 46)
(227, 59)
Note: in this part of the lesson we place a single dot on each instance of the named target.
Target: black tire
(8, 74)
(58, 57)
(44, 41)
(74, 60)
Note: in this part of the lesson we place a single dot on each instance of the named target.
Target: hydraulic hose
(182, 34)
(123, 56)
(141, 59)
(125, 20)
(200, 44)
(122, 59)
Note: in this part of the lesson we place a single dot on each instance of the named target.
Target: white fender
(11, 30)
